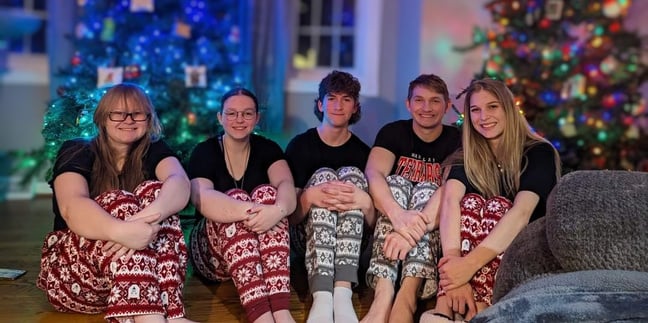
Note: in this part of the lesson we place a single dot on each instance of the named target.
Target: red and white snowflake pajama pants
(257, 263)
(478, 218)
(79, 277)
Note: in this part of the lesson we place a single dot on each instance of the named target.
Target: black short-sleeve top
(538, 176)
(82, 162)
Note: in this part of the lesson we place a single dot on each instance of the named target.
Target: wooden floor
(23, 224)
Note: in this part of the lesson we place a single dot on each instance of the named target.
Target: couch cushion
(526, 257)
(599, 220)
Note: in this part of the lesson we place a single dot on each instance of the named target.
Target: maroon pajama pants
(257, 263)
(478, 218)
(79, 277)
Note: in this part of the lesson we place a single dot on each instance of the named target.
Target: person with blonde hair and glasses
(498, 183)
(117, 246)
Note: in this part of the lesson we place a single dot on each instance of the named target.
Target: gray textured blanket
(582, 296)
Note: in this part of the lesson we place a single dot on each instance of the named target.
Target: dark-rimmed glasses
(233, 115)
(121, 116)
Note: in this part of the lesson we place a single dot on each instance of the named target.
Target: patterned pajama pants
(257, 263)
(478, 218)
(79, 277)
(422, 260)
(331, 241)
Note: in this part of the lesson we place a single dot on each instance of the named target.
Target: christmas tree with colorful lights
(185, 54)
(575, 72)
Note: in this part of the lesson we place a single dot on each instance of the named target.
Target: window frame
(368, 23)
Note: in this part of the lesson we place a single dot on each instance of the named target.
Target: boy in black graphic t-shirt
(404, 171)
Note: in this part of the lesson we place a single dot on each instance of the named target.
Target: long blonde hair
(106, 176)
(483, 169)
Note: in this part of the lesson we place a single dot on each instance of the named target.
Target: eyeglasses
(233, 115)
(121, 116)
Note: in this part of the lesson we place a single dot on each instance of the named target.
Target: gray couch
(585, 261)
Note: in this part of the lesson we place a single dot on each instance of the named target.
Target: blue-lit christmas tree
(186, 54)
(576, 72)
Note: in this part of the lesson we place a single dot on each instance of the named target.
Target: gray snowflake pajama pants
(422, 260)
(331, 241)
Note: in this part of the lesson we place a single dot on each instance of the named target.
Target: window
(36, 42)
(325, 34)
(336, 34)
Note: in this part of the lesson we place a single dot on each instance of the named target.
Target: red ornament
(615, 27)
(545, 23)
(76, 60)
(132, 72)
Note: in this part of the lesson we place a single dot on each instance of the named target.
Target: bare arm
(215, 205)
(449, 222)
(174, 195)
(88, 219)
(264, 217)
(379, 165)
(432, 210)
(281, 178)
(81, 213)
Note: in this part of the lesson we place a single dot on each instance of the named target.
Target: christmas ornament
(142, 6)
(182, 29)
(132, 72)
(76, 59)
(108, 76)
(553, 9)
(609, 65)
(196, 76)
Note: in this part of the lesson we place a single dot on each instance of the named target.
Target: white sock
(343, 306)
(322, 309)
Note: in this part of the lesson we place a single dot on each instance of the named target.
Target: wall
(24, 93)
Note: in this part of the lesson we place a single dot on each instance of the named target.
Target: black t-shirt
(82, 164)
(417, 160)
(306, 153)
(208, 161)
(538, 176)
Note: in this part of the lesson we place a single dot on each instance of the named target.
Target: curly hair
(339, 82)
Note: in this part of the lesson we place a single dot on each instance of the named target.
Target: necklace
(229, 165)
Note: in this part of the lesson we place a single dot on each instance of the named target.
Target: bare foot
(404, 308)
(283, 316)
(382, 303)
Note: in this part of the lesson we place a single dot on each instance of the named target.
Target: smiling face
(239, 116)
(427, 107)
(487, 116)
(128, 131)
(337, 109)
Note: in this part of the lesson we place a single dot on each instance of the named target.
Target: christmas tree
(185, 54)
(575, 72)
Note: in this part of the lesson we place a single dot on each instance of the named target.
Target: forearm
(450, 229)
(286, 199)
(219, 207)
(432, 209)
(368, 209)
(382, 196)
(173, 197)
(89, 220)
(506, 229)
